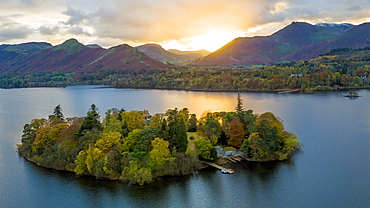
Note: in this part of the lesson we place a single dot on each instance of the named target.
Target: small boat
(227, 171)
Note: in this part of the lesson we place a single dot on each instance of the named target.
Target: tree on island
(58, 112)
(91, 121)
(237, 132)
(177, 130)
(353, 94)
(239, 105)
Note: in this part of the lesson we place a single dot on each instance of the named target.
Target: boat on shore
(227, 171)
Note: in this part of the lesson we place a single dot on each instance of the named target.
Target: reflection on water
(332, 169)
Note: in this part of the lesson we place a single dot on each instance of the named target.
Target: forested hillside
(347, 68)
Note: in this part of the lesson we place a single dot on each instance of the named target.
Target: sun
(210, 41)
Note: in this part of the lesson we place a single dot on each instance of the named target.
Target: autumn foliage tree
(236, 133)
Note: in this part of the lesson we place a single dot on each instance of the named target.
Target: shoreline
(279, 91)
(96, 177)
(221, 161)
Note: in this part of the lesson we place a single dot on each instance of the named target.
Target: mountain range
(72, 56)
(285, 44)
(297, 41)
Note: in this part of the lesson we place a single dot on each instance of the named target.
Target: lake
(331, 170)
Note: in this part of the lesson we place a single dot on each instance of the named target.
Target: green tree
(239, 104)
(209, 127)
(245, 146)
(91, 121)
(146, 137)
(270, 137)
(156, 120)
(81, 167)
(58, 112)
(256, 151)
(129, 142)
(249, 120)
(28, 137)
(88, 137)
(133, 120)
(95, 161)
(109, 141)
(112, 165)
(177, 130)
(136, 173)
(205, 149)
(290, 144)
(159, 154)
(113, 125)
(192, 127)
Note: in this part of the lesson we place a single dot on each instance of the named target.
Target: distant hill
(72, 56)
(171, 56)
(192, 55)
(262, 50)
(93, 46)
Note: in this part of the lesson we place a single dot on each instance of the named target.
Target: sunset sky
(180, 24)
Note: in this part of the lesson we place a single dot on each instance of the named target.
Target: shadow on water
(249, 176)
(100, 193)
(261, 170)
(266, 171)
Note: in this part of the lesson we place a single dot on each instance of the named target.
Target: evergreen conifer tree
(239, 105)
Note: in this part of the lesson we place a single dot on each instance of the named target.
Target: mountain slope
(12, 53)
(269, 49)
(25, 48)
(357, 37)
(72, 56)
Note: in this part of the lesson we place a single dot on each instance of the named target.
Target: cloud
(45, 30)
(76, 16)
(79, 31)
(28, 2)
(328, 11)
(10, 30)
(13, 33)
(141, 21)
(163, 20)
(160, 20)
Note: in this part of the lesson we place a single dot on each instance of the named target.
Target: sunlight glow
(211, 41)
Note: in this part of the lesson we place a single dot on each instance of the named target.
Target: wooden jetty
(237, 159)
(231, 159)
(219, 167)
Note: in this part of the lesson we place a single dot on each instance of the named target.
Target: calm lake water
(331, 170)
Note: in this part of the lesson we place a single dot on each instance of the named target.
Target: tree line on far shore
(346, 68)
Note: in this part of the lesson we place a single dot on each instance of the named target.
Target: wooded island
(135, 147)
